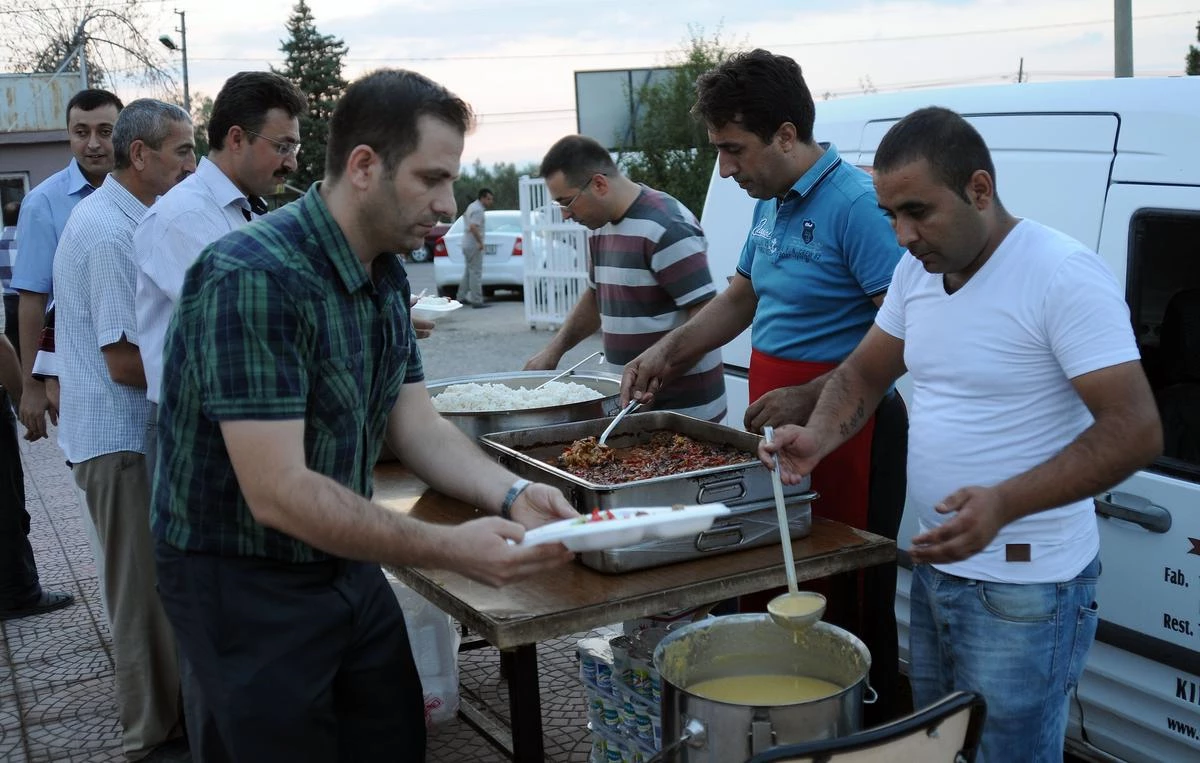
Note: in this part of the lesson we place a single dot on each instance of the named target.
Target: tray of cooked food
(655, 459)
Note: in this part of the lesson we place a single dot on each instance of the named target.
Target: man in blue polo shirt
(813, 272)
(91, 115)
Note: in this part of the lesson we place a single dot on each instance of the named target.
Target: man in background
(470, 287)
(104, 408)
(647, 271)
(91, 115)
(21, 593)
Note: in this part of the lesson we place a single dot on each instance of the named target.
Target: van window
(1163, 291)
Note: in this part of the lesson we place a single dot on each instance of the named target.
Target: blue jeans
(1021, 646)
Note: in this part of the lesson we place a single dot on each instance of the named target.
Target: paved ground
(57, 700)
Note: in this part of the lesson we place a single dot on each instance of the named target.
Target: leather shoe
(47, 601)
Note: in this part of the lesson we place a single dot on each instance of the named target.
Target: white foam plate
(631, 525)
(430, 312)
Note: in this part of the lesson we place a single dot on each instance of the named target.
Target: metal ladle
(633, 404)
(795, 609)
(572, 368)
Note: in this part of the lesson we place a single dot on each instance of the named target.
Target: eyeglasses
(283, 148)
(574, 198)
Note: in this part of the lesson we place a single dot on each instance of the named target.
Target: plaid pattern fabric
(277, 321)
(8, 253)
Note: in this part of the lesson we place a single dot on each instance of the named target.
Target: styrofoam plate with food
(432, 308)
(614, 528)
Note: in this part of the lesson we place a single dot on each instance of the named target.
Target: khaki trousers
(118, 499)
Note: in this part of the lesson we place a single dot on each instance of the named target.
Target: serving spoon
(572, 368)
(795, 609)
(633, 404)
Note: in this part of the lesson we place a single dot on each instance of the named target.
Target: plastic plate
(629, 526)
(432, 311)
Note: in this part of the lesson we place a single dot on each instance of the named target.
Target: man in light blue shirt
(91, 115)
(104, 407)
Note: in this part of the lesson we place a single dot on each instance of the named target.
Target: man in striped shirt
(647, 271)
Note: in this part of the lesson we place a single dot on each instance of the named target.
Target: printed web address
(1181, 728)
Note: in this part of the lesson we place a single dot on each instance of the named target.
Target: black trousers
(18, 572)
(295, 662)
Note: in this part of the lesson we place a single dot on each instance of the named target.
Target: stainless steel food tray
(747, 526)
(747, 482)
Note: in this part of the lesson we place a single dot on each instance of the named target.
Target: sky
(514, 61)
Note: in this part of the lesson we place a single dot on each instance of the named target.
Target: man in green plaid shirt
(289, 359)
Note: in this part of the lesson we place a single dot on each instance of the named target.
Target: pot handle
(872, 696)
(694, 734)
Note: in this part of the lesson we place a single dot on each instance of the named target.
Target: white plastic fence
(555, 257)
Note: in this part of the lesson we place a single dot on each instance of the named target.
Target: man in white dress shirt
(103, 409)
(253, 137)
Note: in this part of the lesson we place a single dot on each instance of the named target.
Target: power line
(818, 43)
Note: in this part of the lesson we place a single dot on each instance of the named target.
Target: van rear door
(1139, 697)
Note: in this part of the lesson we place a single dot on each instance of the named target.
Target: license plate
(489, 248)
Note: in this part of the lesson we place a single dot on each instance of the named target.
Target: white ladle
(794, 609)
(572, 368)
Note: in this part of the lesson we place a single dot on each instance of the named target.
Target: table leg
(524, 703)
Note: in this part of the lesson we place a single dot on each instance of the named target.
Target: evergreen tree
(1193, 55)
(314, 63)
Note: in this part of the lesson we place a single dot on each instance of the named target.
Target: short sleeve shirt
(277, 321)
(815, 260)
(44, 214)
(475, 215)
(647, 270)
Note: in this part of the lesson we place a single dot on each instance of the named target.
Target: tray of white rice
(488, 403)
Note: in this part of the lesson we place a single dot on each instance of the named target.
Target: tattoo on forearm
(848, 428)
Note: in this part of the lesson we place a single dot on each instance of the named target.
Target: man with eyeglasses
(253, 136)
(647, 271)
(470, 286)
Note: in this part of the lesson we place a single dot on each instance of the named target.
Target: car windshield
(499, 221)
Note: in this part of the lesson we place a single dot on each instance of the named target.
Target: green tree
(202, 107)
(673, 153)
(1193, 55)
(314, 63)
(503, 178)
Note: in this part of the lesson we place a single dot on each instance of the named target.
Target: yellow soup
(764, 689)
(795, 606)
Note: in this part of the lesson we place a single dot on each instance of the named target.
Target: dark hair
(146, 120)
(90, 100)
(381, 110)
(245, 99)
(953, 148)
(758, 91)
(577, 157)
(11, 211)
(484, 192)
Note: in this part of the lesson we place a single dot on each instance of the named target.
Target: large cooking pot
(696, 729)
(478, 423)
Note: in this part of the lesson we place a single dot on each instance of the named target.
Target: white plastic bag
(434, 641)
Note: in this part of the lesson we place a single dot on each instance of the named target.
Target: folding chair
(947, 731)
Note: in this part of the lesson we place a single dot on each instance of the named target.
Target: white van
(1116, 164)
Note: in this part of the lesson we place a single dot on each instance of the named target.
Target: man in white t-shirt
(1028, 399)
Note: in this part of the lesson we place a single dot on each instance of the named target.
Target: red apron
(843, 477)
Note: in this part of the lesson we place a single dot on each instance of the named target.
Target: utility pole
(169, 44)
(1122, 38)
(1021, 71)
